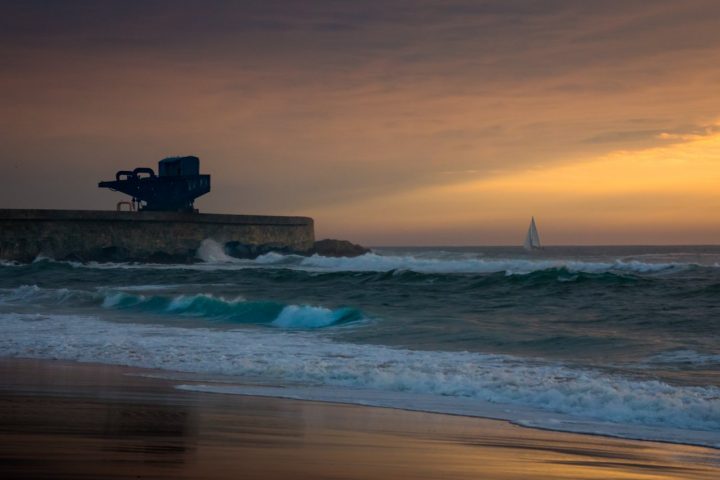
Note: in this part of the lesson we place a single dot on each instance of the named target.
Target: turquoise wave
(237, 310)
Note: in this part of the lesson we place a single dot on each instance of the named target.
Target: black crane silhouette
(174, 189)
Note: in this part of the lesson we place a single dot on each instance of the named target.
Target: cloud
(683, 134)
(625, 137)
(296, 105)
(656, 195)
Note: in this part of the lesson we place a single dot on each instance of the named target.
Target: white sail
(532, 240)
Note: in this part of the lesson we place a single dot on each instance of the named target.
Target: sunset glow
(401, 123)
(669, 190)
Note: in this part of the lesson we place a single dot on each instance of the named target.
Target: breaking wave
(212, 257)
(237, 310)
(33, 295)
(372, 262)
(204, 306)
(583, 394)
(211, 251)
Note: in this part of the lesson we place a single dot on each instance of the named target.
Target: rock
(338, 248)
(163, 257)
(241, 250)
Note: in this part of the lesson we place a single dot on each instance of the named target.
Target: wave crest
(33, 294)
(304, 316)
(201, 306)
(372, 262)
(236, 310)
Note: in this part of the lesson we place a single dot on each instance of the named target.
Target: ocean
(620, 341)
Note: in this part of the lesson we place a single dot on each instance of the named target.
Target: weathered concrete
(123, 236)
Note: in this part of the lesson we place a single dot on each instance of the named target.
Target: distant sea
(622, 341)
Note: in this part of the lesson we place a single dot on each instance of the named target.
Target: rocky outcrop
(338, 248)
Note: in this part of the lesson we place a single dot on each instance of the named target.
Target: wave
(683, 359)
(212, 257)
(203, 306)
(372, 262)
(465, 274)
(305, 316)
(236, 310)
(33, 295)
(585, 395)
(211, 251)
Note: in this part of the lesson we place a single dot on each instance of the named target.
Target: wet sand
(63, 420)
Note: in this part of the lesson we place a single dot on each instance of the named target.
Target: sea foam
(211, 251)
(213, 258)
(583, 394)
(372, 262)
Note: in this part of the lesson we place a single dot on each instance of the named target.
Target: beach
(75, 420)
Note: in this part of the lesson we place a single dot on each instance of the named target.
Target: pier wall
(87, 235)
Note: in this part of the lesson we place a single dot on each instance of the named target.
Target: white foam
(149, 287)
(372, 262)
(304, 316)
(31, 294)
(214, 258)
(114, 299)
(44, 258)
(211, 251)
(590, 396)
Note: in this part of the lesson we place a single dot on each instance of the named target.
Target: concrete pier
(87, 235)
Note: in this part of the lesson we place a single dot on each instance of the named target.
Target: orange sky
(398, 122)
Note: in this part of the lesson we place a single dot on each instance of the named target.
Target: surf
(585, 399)
(235, 310)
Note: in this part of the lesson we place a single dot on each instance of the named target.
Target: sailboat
(532, 240)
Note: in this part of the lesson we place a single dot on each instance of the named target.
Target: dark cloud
(295, 103)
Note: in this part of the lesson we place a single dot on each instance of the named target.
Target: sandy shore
(62, 420)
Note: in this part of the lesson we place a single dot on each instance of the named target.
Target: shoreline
(514, 423)
(471, 408)
(112, 415)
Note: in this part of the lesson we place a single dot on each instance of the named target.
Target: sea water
(621, 341)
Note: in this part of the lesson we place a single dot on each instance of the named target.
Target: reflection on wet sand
(85, 421)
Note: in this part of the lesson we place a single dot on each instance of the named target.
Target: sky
(395, 122)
